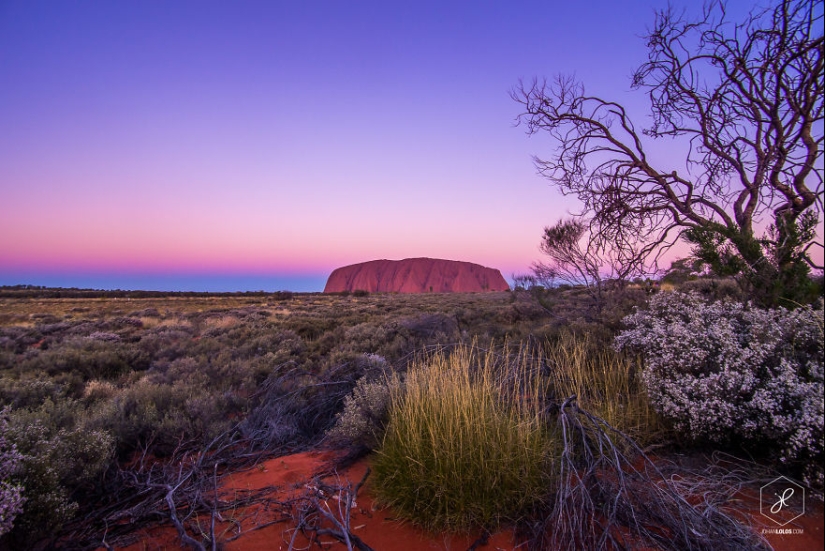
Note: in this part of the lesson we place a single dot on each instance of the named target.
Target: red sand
(375, 526)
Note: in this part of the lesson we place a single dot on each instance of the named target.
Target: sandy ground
(264, 528)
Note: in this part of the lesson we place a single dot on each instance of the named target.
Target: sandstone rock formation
(416, 275)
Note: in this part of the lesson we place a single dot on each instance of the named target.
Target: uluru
(416, 275)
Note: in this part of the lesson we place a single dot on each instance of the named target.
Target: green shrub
(462, 447)
(91, 358)
(54, 465)
(163, 416)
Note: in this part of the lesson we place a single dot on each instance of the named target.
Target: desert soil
(262, 528)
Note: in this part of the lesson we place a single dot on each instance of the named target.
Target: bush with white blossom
(727, 372)
(11, 494)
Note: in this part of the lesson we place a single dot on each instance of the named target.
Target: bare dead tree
(746, 100)
(578, 259)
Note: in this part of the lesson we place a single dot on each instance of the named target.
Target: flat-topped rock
(416, 275)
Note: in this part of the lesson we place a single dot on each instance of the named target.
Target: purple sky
(260, 145)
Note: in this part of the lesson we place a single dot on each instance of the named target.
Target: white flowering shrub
(11, 494)
(53, 463)
(728, 372)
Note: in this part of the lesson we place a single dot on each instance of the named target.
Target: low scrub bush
(95, 357)
(361, 423)
(11, 498)
(730, 373)
(462, 449)
(163, 416)
(53, 465)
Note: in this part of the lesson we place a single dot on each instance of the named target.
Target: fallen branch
(611, 495)
(316, 510)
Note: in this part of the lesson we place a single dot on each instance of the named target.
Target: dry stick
(642, 498)
(214, 510)
(342, 534)
(342, 522)
(104, 543)
(298, 528)
(185, 538)
(258, 527)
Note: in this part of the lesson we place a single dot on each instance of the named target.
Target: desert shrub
(261, 341)
(311, 328)
(166, 343)
(365, 336)
(730, 373)
(98, 391)
(162, 416)
(294, 407)
(104, 336)
(713, 288)
(91, 358)
(29, 391)
(433, 328)
(11, 494)
(55, 464)
(18, 339)
(361, 423)
(459, 451)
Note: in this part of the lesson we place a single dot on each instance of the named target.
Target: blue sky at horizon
(259, 145)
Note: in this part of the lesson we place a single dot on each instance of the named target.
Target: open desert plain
(385, 421)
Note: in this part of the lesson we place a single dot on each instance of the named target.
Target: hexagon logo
(782, 500)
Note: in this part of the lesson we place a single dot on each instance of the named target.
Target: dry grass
(605, 383)
(463, 449)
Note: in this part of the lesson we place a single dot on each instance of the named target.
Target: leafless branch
(747, 101)
(611, 495)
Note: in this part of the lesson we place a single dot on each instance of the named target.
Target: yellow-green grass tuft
(606, 383)
(465, 444)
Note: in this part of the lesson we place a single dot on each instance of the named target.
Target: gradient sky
(259, 145)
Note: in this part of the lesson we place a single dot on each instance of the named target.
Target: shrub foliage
(731, 373)
(11, 498)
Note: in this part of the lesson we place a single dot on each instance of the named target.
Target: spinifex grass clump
(465, 446)
(605, 383)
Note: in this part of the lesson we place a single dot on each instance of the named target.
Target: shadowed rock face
(416, 275)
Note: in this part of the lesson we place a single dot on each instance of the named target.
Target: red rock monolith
(416, 275)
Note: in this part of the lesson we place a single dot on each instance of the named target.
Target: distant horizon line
(176, 283)
(170, 282)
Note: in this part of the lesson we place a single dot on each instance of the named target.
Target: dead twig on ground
(315, 516)
(611, 495)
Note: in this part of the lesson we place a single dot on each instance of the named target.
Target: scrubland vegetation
(538, 408)
(518, 408)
